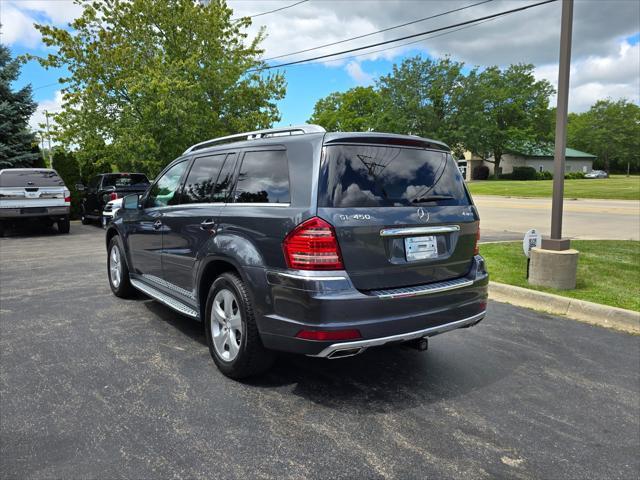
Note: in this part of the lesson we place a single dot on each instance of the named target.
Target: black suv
(106, 187)
(299, 240)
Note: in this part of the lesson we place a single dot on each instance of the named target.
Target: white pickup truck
(37, 194)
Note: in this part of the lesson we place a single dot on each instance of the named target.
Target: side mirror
(80, 187)
(131, 202)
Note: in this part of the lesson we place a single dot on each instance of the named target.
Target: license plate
(420, 248)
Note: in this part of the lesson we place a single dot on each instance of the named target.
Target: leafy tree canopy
(356, 110)
(611, 130)
(149, 78)
(18, 147)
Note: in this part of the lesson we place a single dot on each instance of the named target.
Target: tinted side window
(202, 179)
(263, 178)
(163, 192)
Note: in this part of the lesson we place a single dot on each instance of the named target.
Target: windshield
(378, 176)
(125, 180)
(30, 178)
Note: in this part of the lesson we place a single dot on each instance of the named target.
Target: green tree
(356, 110)
(611, 131)
(419, 97)
(502, 108)
(148, 79)
(66, 164)
(16, 140)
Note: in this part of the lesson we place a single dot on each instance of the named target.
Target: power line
(271, 11)
(467, 22)
(378, 31)
(402, 44)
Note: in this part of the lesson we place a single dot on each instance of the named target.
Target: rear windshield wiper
(433, 198)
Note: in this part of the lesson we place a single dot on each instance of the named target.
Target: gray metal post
(556, 242)
(46, 115)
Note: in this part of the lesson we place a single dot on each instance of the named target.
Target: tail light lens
(312, 245)
(113, 196)
(476, 247)
(327, 335)
(67, 196)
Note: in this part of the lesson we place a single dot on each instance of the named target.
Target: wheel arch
(211, 269)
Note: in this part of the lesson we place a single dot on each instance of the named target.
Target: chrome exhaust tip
(347, 352)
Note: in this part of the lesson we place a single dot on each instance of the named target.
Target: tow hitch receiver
(420, 344)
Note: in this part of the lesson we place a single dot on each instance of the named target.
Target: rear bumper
(296, 301)
(32, 212)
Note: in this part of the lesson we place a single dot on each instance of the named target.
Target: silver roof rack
(269, 132)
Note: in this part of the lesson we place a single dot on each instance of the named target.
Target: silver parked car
(597, 174)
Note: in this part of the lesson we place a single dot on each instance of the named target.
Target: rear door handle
(157, 224)
(208, 224)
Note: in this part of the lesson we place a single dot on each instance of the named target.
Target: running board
(177, 305)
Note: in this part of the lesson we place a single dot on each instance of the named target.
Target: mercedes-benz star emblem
(422, 215)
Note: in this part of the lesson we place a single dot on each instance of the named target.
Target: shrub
(481, 172)
(544, 175)
(506, 176)
(524, 173)
(574, 175)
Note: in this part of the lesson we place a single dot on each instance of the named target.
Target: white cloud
(53, 105)
(58, 12)
(597, 77)
(17, 27)
(359, 76)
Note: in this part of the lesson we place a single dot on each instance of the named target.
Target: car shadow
(29, 229)
(381, 379)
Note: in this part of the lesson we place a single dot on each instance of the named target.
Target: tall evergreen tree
(16, 141)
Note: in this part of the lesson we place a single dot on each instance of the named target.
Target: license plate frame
(424, 247)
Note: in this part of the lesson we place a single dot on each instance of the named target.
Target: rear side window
(263, 178)
(125, 180)
(209, 179)
(379, 176)
(30, 178)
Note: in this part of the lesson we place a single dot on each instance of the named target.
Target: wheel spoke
(233, 344)
(235, 321)
(228, 304)
(219, 341)
(218, 313)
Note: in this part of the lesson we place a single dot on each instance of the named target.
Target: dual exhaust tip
(420, 344)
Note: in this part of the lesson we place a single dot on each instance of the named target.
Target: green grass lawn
(617, 187)
(608, 270)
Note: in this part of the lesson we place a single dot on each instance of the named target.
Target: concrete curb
(587, 312)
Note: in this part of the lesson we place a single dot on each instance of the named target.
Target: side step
(171, 302)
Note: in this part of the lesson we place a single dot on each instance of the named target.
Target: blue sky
(605, 61)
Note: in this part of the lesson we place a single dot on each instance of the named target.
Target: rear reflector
(327, 335)
(312, 245)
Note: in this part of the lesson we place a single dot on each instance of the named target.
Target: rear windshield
(125, 180)
(30, 178)
(379, 176)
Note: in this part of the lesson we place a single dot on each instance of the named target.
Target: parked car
(597, 174)
(106, 187)
(36, 194)
(110, 210)
(323, 244)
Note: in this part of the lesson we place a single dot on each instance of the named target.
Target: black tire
(252, 358)
(84, 219)
(123, 289)
(64, 225)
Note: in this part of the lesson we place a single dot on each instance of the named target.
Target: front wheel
(117, 270)
(232, 334)
(84, 219)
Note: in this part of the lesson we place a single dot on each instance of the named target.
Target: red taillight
(113, 196)
(476, 247)
(67, 196)
(327, 335)
(312, 245)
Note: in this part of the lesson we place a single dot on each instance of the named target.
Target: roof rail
(269, 132)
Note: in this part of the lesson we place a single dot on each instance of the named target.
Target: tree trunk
(606, 162)
(497, 157)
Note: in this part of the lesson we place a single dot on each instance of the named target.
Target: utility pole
(46, 115)
(556, 242)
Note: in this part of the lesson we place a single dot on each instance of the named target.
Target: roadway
(508, 218)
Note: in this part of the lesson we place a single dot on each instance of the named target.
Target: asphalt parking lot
(92, 386)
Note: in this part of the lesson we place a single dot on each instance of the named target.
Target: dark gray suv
(294, 239)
